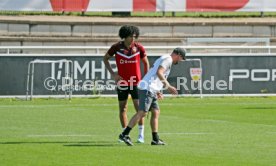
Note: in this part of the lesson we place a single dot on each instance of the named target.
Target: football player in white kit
(149, 92)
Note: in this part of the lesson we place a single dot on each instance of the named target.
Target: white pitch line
(217, 121)
(202, 133)
(61, 135)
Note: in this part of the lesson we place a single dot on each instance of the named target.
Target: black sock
(155, 136)
(126, 131)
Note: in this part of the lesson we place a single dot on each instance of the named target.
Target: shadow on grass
(96, 144)
(69, 143)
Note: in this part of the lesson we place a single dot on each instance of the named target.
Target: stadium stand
(102, 31)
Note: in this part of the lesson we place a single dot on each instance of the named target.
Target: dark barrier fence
(220, 75)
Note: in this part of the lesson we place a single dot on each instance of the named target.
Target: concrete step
(55, 26)
(83, 41)
(103, 31)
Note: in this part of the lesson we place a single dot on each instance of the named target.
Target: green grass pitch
(209, 131)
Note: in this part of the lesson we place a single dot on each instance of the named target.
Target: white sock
(141, 130)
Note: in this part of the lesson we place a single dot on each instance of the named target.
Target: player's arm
(159, 96)
(160, 74)
(146, 64)
(144, 58)
(108, 67)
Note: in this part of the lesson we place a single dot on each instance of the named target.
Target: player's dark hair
(129, 30)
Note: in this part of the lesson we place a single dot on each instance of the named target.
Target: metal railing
(101, 50)
(229, 40)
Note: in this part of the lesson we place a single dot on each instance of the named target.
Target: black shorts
(124, 91)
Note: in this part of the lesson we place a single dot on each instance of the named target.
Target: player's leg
(135, 100)
(136, 118)
(144, 105)
(154, 122)
(141, 127)
(123, 113)
(122, 99)
(124, 136)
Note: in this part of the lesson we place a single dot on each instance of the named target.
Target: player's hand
(117, 77)
(159, 96)
(172, 90)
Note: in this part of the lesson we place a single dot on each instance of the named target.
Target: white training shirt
(151, 82)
